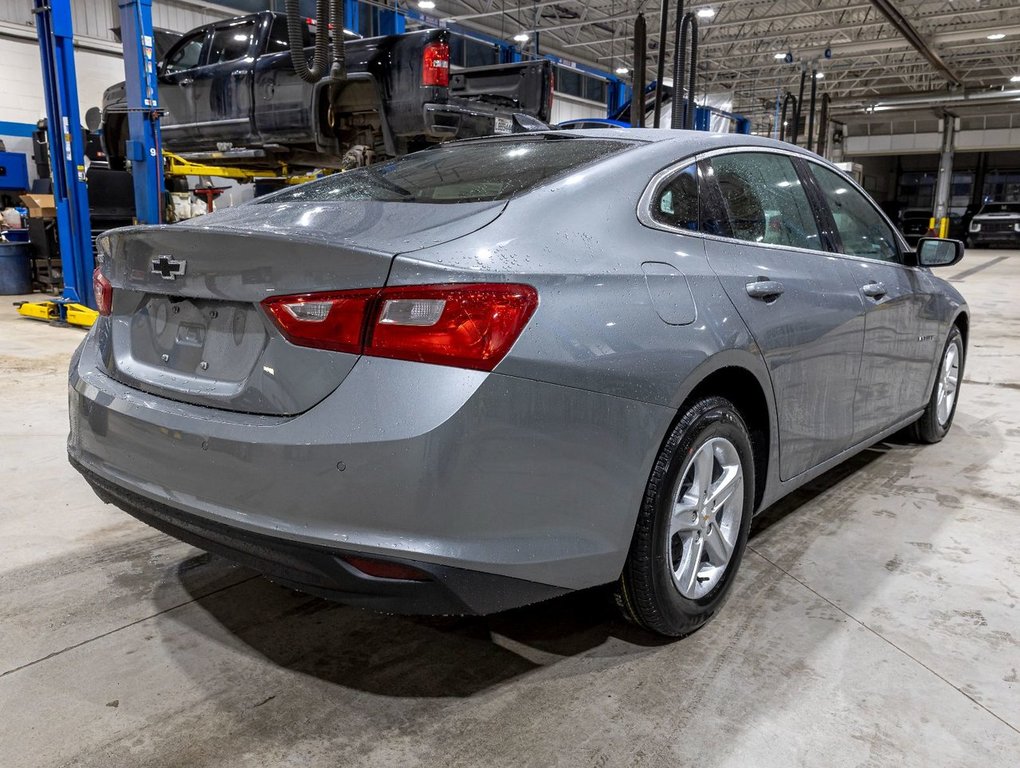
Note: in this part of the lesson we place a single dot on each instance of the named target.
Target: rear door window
(764, 201)
(476, 171)
(231, 43)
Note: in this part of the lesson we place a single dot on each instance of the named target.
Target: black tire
(115, 142)
(930, 428)
(646, 592)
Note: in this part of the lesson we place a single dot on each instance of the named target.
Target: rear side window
(764, 201)
(231, 43)
(861, 228)
(471, 172)
(676, 204)
(279, 37)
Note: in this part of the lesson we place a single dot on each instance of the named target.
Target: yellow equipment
(175, 165)
(58, 312)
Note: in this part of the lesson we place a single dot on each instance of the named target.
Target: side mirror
(93, 119)
(936, 252)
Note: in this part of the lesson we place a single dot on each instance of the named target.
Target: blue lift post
(67, 149)
(143, 146)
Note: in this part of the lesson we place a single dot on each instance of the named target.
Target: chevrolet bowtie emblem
(168, 267)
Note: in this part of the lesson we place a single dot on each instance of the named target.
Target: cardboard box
(40, 206)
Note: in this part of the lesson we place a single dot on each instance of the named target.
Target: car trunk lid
(187, 322)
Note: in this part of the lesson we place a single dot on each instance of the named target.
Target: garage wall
(569, 108)
(94, 19)
(98, 59)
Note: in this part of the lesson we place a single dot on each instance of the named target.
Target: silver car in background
(498, 370)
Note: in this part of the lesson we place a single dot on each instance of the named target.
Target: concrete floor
(875, 621)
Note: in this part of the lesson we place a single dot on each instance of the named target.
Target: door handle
(185, 82)
(768, 290)
(874, 290)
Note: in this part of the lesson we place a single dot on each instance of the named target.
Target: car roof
(687, 142)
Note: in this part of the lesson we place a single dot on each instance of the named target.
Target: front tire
(938, 416)
(692, 528)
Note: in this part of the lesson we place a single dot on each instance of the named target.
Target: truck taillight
(467, 325)
(103, 291)
(435, 65)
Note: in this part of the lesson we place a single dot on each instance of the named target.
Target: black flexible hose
(295, 38)
(660, 65)
(811, 111)
(797, 105)
(686, 67)
(782, 120)
(637, 101)
(678, 69)
(338, 71)
(691, 20)
(823, 125)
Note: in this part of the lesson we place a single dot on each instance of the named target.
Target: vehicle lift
(77, 305)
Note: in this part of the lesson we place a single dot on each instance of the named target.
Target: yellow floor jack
(58, 311)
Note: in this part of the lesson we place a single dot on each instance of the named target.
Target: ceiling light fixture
(522, 37)
(819, 75)
(622, 70)
(997, 36)
(706, 13)
(426, 5)
(1015, 79)
(779, 56)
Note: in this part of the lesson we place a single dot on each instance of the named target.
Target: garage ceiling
(871, 56)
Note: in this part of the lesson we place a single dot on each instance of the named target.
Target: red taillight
(333, 321)
(469, 325)
(103, 292)
(435, 65)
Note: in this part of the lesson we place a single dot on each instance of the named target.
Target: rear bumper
(461, 470)
(459, 121)
(322, 570)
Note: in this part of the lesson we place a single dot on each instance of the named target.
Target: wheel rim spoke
(719, 548)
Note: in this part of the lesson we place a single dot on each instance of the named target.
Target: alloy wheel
(705, 519)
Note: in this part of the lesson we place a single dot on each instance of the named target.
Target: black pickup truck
(230, 93)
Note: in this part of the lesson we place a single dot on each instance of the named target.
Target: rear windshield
(471, 172)
(1001, 208)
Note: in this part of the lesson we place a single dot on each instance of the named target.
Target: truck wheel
(693, 525)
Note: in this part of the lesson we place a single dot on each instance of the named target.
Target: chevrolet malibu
(499, 370)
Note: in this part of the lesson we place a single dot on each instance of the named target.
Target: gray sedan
(499, 370)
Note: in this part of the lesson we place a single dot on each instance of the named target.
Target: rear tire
(115, 142)
(938, 415)
(693, 524)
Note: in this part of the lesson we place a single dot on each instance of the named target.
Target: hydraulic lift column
(143, 146)
(67, 148)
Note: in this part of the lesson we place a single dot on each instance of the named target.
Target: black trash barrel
(15, 268)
